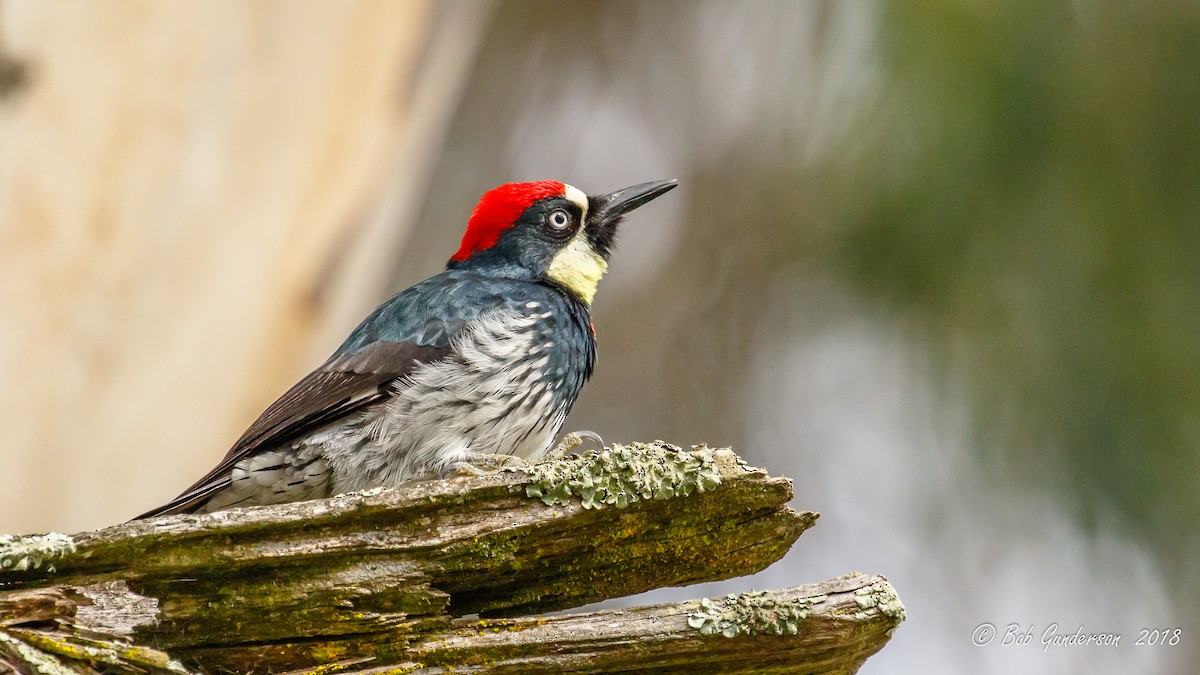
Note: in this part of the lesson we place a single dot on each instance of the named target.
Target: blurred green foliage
(1027, 190)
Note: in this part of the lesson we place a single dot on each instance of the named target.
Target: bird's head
(549, 231)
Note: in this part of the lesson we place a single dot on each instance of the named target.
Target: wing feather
(342, 385)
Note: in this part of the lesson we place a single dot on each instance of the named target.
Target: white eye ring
(559, 219)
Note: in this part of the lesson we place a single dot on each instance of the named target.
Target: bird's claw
(571, 442)
(590, 436)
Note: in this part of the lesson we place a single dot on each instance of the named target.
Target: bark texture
(444, 575)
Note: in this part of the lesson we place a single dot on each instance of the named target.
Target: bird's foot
(571, 443)
(481, 464)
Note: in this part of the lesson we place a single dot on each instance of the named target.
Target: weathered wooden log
(365, 580)
(829, 627)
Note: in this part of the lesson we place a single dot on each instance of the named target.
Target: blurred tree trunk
(224, 174)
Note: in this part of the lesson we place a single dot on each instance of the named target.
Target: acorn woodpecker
(486, 358)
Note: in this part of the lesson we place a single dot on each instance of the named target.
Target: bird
(485, 358)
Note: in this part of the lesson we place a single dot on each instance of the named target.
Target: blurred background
(935, 261)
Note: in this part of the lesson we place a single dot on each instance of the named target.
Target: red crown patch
(499, 209)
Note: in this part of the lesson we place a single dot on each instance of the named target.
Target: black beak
(604, 208)
(605, 211)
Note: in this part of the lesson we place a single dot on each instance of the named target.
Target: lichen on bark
(31, 552)
(751, 614)
(623, 474)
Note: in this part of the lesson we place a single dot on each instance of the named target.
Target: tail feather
(191, 501)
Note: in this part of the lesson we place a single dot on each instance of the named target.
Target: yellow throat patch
(578, 267)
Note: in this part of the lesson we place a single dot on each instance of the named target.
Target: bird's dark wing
(341, 386)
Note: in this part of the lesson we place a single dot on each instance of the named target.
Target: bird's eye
(559, 219)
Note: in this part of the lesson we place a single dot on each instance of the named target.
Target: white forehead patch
(576, 197)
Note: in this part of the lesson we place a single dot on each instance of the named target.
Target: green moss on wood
(122, 656)
(339, 597)
(40, 661)
(502, 625)
(624, 474)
